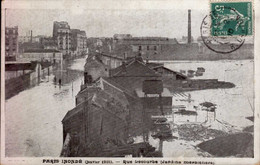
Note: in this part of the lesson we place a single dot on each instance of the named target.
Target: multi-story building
(62, 35)
(11, 43)
(78, 41)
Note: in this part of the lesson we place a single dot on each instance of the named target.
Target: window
(140, 47)
(148, 47)
(155, 47)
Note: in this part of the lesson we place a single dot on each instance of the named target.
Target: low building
(158, 68)
(96, 68)
(20, 76)
(111, 110)
(99, 119)
(52, 56)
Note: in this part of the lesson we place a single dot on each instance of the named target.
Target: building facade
(30, 38)
(52, 56)
(78, 42)
(62, 36)
(11, 43)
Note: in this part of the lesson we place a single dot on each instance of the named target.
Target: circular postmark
(219, 42)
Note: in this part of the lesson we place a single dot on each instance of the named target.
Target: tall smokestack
(189, 26)
(31, 36)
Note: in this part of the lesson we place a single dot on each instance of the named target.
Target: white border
(128, 5)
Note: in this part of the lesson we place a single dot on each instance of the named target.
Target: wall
(16, 85)
(110, 61)
(93, 127)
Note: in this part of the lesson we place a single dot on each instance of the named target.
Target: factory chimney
(31, 36)
(189, 26)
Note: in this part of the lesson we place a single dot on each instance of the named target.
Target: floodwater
(233, 104)
(33, 117)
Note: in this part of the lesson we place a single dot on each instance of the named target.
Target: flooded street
(33, 117)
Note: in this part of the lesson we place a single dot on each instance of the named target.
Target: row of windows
(148, 47)
(10, 36)
(11, 31)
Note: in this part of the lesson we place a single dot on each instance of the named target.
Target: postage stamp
(231, 18)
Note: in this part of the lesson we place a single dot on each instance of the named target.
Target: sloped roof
(153, 65)
(175, 72)
(119, 84)
(129, 84)
(93, 62)
(104, 101)
(136, 69)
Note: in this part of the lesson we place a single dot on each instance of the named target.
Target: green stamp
(231, 18)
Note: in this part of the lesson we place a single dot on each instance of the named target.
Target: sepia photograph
(156, 82)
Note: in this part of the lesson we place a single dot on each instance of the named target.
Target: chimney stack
(31, 36)
(189, 26)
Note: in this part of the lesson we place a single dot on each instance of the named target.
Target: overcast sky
(158, 19)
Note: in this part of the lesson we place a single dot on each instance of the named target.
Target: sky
(156, 18)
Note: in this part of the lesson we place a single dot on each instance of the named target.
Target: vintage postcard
(130, 82)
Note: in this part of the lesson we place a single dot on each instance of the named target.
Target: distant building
(78, 41)
(40, 55)
(48, 43)
(29, 46)
(11, 43)
(142, 46)
(122, 36)
(62, 36)
(30, 38)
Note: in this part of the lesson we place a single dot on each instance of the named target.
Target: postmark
(219, 44)
(231, 18)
